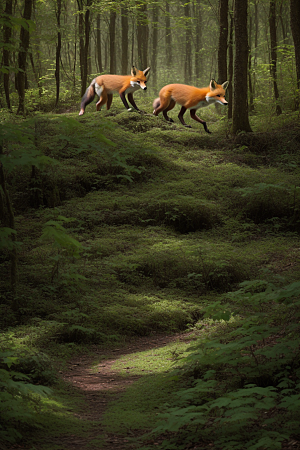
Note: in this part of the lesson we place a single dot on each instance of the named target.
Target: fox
(105, 85)
(189, 97)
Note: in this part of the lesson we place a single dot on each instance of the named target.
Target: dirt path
(97, 383)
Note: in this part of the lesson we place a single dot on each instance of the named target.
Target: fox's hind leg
(180, 117)
(109, 100)
(101, 92)
(171, 106)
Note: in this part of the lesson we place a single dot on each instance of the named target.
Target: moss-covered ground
(135, 227)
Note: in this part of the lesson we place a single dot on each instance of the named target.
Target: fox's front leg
(180, 117)
(195, 117)
(131, 100)
(123, 98)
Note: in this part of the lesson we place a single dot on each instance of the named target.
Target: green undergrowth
(125, 225)
(137, 408)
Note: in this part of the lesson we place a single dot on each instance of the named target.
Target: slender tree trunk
(6, 53)
(125, 41)
(273, 61)
(87, 30)
(75, 54)
(58, 51)
(98, 40)
(188, 46)
(5, 204)
(81, 38)
(142, 36)
(154, 44)
(84, 40)
(22, 58)
(251, 97)
(223, 37)
(256, 25)
(132, 41)
(240, 119)
(295, 27)
(112, 42)
(198, 40)
(230, 68)
(168, 36)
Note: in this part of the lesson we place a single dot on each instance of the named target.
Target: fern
(248, 394)
(18, 399)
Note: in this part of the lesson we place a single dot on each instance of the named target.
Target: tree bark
(142, 36)
(5, 203)
(273, 59)
(58, 51)
(223, 37)
(125, 29)
(295, 27)
(188, 46)
(112, 42)
(22, 57)
(154, 44)
(240, 119)
(98, 40)
(198, 40)
(6, 53)
(230, 68)
(84, 40)
(168, 39)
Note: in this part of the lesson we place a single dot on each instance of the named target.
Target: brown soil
(97, 383)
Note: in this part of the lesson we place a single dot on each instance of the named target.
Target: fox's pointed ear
(133, 71)
(212, 85)
(146, 72)
(225, 85)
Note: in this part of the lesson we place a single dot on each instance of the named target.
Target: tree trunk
(240, 119)
(98, 40)
(22, 57)
(112, 42)
(198, 40)
(6, 53)
(142, 36)
(188, 46)
(273, 59)
(58, 51)
(168, 36)
(81, 38)
(125, 28)
(223, 36)
(5, 204)
(154, 44)
(295, 26)
(251, 97)
(84, 40)
(87, 29)
(230, 68)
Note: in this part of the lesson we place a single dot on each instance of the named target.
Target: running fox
(105, 85)
(189, 97)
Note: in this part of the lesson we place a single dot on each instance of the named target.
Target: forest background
(116, 225)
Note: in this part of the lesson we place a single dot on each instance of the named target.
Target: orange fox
(105, 85)
(189, 97)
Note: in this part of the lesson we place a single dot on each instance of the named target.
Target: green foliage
(19, 399)
(259, 354)
(67, 248)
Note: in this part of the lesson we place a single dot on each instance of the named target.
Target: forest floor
(161, 230)
(100, 385)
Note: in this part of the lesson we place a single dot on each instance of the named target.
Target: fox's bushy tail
(156, 103)
(88, 97)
